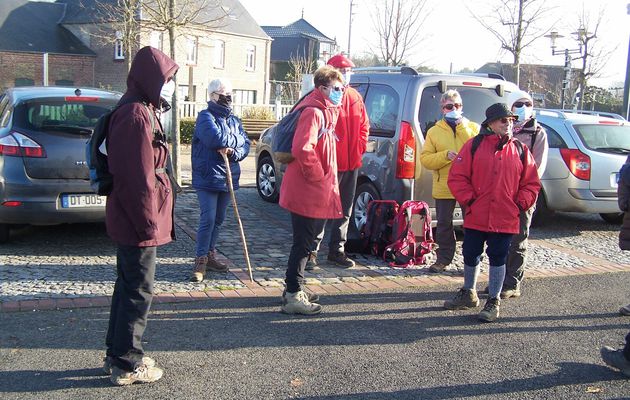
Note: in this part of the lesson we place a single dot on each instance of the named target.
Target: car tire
(542, 212)
(612, 218)
(4, 233)
(364, 193)
(267, 180)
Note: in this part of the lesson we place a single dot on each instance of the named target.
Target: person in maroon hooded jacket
(495, 183)
(139, 210)
(309, 189)
(351, 130)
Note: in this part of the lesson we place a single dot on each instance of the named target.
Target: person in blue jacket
(217, 132)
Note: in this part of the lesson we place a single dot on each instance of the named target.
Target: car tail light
(19, 145)
(12, 203)
(81, 98)
(406, 163)
(578, 163)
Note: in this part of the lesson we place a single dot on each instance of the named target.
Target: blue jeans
(497, 251)
(212, 206)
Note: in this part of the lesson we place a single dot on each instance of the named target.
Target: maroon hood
(149, 71)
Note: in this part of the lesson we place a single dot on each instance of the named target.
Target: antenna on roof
(302, 12)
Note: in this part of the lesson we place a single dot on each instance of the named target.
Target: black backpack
(476, 141)
(101, 180)
(377, 233)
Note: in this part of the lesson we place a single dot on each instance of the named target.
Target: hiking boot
(311, 263)
(509, 293)
(215, 265)
(340, 259)
(437, 267)
(464, 299)
(625, 310)
(615, 358)
(142, 374)
(312, 297)
(297, 303)
(199, 270)
(108, 364)
(490, 311)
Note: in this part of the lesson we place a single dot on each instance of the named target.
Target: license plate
(82, 200)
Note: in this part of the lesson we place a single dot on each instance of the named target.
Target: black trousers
(131, 301)
(305, 231)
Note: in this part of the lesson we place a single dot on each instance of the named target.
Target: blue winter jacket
(217, 127)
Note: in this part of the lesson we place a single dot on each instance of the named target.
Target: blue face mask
(453, 116)
(524, 113)
(335, 96)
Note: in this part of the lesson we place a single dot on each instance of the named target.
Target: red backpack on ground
(409, 249)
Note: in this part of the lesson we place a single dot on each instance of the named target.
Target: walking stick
(238, 217)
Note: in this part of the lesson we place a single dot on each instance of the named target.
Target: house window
(24, 82)
(250, 62)
(244, 96)
(119, 54)
(64, 82)
(156, 40)
(191, 50)
(219, 54)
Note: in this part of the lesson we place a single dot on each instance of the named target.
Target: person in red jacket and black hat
(352, 133)
(495, 183)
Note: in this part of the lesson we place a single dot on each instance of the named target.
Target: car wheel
(4, 233)
(365, 193)
(612, 218)
(542, 212)
(266, 180)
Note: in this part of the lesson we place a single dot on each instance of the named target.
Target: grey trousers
(517, 256)
(444, 232)
(339, 227)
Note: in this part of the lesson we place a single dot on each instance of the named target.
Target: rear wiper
(620, 150)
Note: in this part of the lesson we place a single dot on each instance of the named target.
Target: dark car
(43, 173)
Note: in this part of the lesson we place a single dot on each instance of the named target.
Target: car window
(553, 138)
(51, 114)
(382, 103)
(476, 100)
(5, 111)
(361, 88)
(605, 138)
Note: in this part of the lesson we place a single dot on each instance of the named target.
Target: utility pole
(626, 86)
(350, 27)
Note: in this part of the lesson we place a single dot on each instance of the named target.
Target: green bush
(186, 130)
(258, 112)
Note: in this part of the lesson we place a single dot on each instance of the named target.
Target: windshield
(475, 100)
(605, 138)
(58, 114)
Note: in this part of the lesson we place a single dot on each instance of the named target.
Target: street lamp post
(566, 82)
(626, 86)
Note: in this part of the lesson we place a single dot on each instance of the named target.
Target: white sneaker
(107, 363)
(298, 303)
(142, 374)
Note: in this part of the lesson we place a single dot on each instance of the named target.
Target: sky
(456, 40)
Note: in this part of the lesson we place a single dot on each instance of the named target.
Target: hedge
(186, 130)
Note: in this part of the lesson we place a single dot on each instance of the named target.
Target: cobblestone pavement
(79, 260)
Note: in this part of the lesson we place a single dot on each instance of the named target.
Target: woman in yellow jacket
(443, 142)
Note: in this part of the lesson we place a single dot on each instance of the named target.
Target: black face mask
(225, 101)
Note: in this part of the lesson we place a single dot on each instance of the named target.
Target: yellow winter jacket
(440, 139)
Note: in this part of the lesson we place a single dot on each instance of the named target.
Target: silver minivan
(585, 155)
(402, 105)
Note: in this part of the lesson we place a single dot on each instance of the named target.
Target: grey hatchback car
(402, 105)
(585, 155)
(43, 173)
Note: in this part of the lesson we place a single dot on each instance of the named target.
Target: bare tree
(515, 23)
(594, 54)
(398, 24)
(298, 66)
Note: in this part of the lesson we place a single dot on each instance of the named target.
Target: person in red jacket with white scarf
(495, 183)
(352, 134)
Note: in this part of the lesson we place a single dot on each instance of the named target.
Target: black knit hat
(496, 111)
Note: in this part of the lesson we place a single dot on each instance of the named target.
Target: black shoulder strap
(521, 151)
(531, 148)
(475, 145)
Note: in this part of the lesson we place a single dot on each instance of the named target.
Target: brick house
(36, 50)
(233, 46)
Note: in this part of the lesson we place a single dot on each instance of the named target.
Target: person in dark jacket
(620, 359)
(139, 211)
(217, 132)
(352, 135)
(495, 184)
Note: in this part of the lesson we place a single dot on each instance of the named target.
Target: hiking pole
(238, 217)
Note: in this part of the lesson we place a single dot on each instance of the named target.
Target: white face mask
(346, 77)
(167, 90)
(524, 113)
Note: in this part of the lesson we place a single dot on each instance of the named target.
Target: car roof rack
(402, 70)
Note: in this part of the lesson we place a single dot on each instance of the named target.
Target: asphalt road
(398, 344)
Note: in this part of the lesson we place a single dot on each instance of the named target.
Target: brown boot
(214, 265)
(199, 269)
